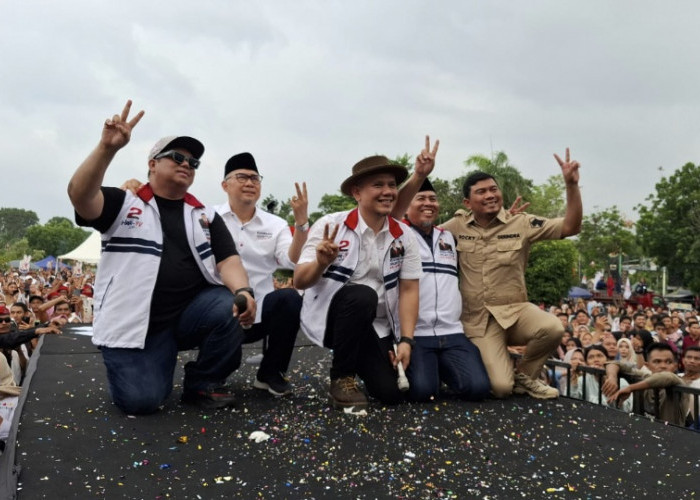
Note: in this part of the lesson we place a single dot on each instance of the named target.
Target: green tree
(270, 204)
(450, 196)
(17, 249)
(332, 203)
(551, 271)
(14, 223)
(669, 223)
(548, 199)
(604, 234)
(509, 178)
(58, 236)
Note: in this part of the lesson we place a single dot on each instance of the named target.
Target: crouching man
(360, 270)
(168, 275)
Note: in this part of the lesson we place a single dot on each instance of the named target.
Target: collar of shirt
(228, 211)
(362, 225)
(502, 216)
(428, 237)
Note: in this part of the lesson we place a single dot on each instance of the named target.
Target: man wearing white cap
(168, 275)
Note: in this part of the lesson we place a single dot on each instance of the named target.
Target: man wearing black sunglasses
(168, 275)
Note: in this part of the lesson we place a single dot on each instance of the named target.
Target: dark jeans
(280, 324)
(452, 359)
(140, 380)
(356, 348)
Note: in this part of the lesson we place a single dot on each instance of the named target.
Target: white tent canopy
(88, 251)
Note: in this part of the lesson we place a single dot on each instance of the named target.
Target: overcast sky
(309, 88)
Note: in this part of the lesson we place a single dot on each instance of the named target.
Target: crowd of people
(380, 285)
(33, 304)
(657, 347)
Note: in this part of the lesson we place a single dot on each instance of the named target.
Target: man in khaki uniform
(493, 248)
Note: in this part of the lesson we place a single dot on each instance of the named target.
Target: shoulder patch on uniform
(536, 222)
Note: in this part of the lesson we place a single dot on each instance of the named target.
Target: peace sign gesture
(300, 205)
(117, 130)
(569, 169)
(327, 249)
(425, 161)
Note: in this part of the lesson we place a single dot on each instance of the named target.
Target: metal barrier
(675, 391)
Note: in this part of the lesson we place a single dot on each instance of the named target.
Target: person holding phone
(21, 315)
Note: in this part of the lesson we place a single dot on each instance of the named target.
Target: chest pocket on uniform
(466, 246)
(506, 250)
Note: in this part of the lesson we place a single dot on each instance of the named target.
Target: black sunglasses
(179, 158)
(5, 320)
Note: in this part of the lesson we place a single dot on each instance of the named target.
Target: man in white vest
(360, 271)
(442, 353)
(168, 276)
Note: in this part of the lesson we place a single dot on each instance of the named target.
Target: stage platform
(71, 442)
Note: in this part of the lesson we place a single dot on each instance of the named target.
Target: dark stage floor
(72, 443)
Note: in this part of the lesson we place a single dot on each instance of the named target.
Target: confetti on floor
(82, 447)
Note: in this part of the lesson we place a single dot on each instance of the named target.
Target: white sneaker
(535, 388)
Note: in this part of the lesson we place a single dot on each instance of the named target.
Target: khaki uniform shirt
(492, 262)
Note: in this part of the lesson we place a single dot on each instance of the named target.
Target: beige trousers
(539, 331)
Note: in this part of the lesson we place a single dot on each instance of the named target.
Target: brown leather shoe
(344, 393)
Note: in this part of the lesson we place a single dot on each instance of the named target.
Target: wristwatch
(303, 227)
(408, 340)
(245, 289)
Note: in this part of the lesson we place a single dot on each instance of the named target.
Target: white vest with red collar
(317, 298)
(131, 253)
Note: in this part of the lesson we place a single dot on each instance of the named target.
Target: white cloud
(311, 87)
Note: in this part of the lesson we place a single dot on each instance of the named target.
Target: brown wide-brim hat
(370, 166)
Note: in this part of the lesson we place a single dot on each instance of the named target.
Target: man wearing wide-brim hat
(360, 270)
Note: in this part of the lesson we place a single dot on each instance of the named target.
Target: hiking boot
(211, 398)
(535, 388)
(276, 384)
(345, 393)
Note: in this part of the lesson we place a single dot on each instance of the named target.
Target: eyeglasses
(179, 158)
(243, 178)
(5, 320)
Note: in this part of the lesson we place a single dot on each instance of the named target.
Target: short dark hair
(582, 311)
(625, 318)
(36, 297)
(595, 347)
(22, 305)
(645, 337)
(694, 348)
(638, 314)
(472, 179)
(661, 346)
